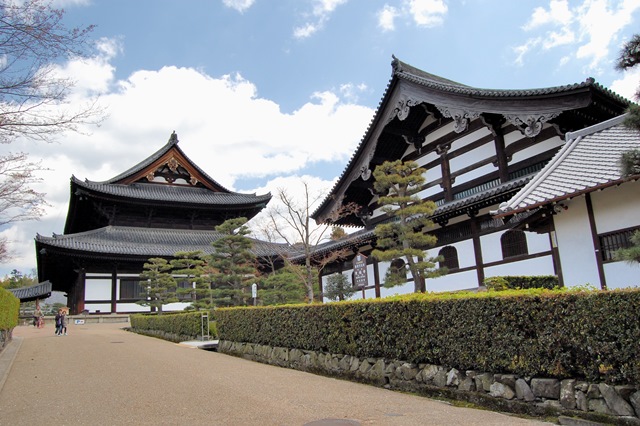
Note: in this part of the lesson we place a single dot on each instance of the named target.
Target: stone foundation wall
(508, 392)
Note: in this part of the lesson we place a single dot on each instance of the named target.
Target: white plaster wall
(622, 275)
(473, 174)
(575, 245)
(403, 289)
(537, 148)
(454, 281)
(94, 307)
(537, 243)
(534, 266)
(466, 255)
(97, 289)
(131, 307)
(617, 207)
(492, 249)
(427, 158)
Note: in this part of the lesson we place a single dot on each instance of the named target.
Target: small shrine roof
(587, 162)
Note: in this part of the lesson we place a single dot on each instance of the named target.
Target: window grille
(450, 255)
(132, 290)
(514, 243)
(612, 241)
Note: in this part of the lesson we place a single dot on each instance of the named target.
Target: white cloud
(428, 13)
(386, 17)
(239, 5)
(628, 85)
(423, 13)
(558, 14)
(221, 122)
(593, 26)
(320, 14)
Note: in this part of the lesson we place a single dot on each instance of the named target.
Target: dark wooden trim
(555, 253)
(596, 241)
(477, 251)
(518, 258)
(376, 277)
(114, 287)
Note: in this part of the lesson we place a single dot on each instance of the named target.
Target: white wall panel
(452, 282)
(97, 289)
(98, 308)
(621, 275)
(617, 207)
(535, 266)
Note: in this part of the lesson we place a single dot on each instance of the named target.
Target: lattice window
(398, 267)
(450, 255)
(132, 290)
(612, 241)
(514, 243)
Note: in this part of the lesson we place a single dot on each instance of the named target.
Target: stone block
(499, 390)
(440, 379)
(599, 406)
(467, 384)
(546, 388)
(614, 401)
(429, 372)
(453, 377)
(582, 403)
(408, 371)
(506, 379)
(634, 399)
(568, 393)
(523, 391)
(484, 381)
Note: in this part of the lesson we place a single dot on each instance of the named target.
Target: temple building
(480, 147)
(160, 206)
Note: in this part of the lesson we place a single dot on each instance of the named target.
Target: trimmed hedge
(9, 309)
(180, 325)
(595, 335)
(515, 282)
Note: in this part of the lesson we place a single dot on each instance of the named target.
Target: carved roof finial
(395, 65)
(173, 139)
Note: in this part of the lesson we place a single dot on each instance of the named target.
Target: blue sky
(265, 94)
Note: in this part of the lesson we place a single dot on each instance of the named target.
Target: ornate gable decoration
(173, 173)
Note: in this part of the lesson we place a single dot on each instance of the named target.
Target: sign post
(360, 278)
(254, 293)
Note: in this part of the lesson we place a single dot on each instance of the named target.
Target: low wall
(98, 319)
(536, 396)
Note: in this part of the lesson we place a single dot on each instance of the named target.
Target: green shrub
(183, 325)
(521, 282)
(533, 332)
(9, 309)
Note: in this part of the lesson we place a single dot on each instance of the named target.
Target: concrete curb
(7, 356)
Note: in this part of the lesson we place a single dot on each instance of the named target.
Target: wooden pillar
(81, 285)
(114, 288)
(376, 277)
(447, 185)
(501, 157)
(596, 242)
(477, 250)
(555, 253)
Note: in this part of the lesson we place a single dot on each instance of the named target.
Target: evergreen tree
(629, 57)
(282, 287)
(338, 287)
(189, 267)
(233, 264)
(631, 254)
(402, 237)
(160, 285)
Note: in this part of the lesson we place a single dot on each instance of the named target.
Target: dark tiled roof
(487, 197)
(588, 161)
(149, 242)
(173, 142)
(173, 193)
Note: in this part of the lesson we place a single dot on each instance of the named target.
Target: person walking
(58, 322)
(63, 323)
(38, 317)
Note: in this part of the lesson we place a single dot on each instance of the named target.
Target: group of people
(61, 323)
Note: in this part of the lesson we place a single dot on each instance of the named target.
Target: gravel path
(102, 375)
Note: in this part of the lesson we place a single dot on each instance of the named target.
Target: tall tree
(293, 224)
(160, 284)
(33, 97)
(338, 287)
(629, 57)
(189, 267)
(233, 264)
(403, 237)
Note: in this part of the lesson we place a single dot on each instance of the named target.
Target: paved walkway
(102, 375)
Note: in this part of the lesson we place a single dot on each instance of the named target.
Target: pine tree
(402, 237)
(160, 285)
(282, 287)
(233, 264)
(629, 57)
(189, 267)
(632, 253)
(338, 287)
